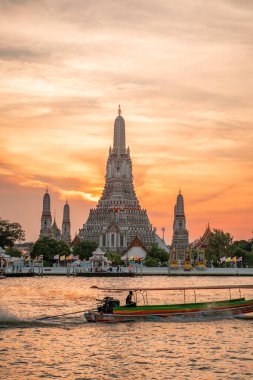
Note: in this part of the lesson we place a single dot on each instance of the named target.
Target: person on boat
(129, 300)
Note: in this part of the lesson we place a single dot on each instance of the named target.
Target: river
(70, 348)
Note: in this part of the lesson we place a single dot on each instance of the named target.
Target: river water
(69, 348)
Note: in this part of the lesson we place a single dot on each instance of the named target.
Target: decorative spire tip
(119, 110)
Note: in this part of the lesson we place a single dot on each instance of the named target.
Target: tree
(84, 249)
(49, 248)
(249, 259)
(114, 258)
(219, 245)
(10, 233)
(152, 262)
(14, 252)
(156, 256)
(242, 246)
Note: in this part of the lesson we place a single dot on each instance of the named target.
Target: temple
(118, 216)
(47, 229)
(202, 242)
(180, 239)
(46, 217)
(56, 231)
(65, 235)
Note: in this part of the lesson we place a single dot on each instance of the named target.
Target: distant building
(202, 242)
(135, 250)
(118, 216)
(180, 239)
(46, 218)
(47, 229)
(65, 234)
(56, 231)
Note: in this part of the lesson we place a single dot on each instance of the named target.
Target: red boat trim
(182, 311)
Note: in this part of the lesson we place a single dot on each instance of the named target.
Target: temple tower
(65, 236)
(56, 230)
(180, 239)
(46, 218)
(118, 217)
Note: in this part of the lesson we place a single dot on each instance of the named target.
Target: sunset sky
(183, 74)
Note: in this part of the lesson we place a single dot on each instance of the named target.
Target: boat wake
(9, 321)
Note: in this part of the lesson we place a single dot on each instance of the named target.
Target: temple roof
(136, 242)
(203, 240)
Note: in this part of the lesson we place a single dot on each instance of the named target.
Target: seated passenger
(129, 300)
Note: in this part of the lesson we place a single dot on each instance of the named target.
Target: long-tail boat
(110, 310)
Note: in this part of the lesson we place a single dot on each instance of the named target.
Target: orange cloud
(183, 75)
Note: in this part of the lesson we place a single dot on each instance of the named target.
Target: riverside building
(118, 217)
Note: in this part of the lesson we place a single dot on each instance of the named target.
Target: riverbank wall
(124, 272)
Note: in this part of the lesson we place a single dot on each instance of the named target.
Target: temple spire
(66, 237)
(46, 218)
(180, 239)
(119, 138)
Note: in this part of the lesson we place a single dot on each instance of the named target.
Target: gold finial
(180, 190)
(46, 189)
(119, 110)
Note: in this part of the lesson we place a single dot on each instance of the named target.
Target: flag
(40, 258)
(142, 258)
(228, 259)
(56, 257)
(234, 259)
(76, 257)
(69, 257)
(239, 258)
(223, 259)
(62, 258)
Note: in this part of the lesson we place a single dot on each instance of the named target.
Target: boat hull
(221, 309)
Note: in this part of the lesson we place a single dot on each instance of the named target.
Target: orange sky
(182, 72)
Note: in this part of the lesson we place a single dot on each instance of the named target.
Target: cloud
(182, 72)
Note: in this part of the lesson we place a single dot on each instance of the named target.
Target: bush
(152, 262)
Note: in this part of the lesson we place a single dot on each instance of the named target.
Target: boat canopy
(134, 289)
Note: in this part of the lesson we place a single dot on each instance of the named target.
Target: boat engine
(108, 304)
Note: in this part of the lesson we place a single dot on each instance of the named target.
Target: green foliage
(219, 245)
(49, 248)
(10, 233)
(152, 262)
(248, 260)
(243, 248)
(114, 258)
(244, 245)
(156, 256)
(194, 254)
(14, 252)
(84, 249)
